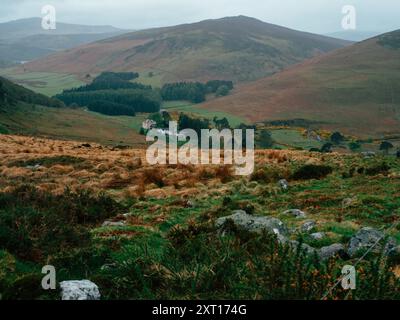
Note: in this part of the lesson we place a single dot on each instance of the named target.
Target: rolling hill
(25, 112)
(234, 48)
(355, 89)
(25, 39)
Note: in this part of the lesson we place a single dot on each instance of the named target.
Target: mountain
(25, 39)
(354, 35)
(233, 48)
(32, 26)
(355, 89)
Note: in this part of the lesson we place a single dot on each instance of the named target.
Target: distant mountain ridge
(32, 26)
(25, 39)
(233, 48)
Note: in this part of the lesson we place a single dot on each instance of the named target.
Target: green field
(293, 138)
(188, 107)
(43, 82)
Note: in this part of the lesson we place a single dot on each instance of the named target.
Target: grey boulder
(317, 235)
(113, 224)
(283, 184)
(256, 224)
(79, 290)
(295, 213)
(331, 251)
(308, 226)
(369, 238)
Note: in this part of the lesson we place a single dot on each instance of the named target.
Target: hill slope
(234, 48)
(23, 111)
(355, 89)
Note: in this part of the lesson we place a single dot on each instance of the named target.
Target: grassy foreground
(166, 245)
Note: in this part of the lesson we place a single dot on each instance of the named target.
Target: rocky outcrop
(369, 238)
(256, 224)
(79, 290)
(336, 249)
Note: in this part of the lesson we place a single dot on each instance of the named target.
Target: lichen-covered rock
(331, 251)
(296, 213)
(317, 235)
(113, 224)
(256, 224)
(283, 184)
(79, 290)
(308, 226)
(367, 238)
(294, 244)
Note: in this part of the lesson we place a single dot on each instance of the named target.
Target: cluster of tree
(264, 140)
(11, 93)
(337, 137)
(221, 123)
(111, 80)
(162, 119)
(192, 91)
(137, 100)
(186, 122)
(115, 89)
(213, 85)
(111, 108)
(195, 91)
(386, 146)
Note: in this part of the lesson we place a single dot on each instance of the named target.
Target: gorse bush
(34, 224)
(199, 263)
(311, 171)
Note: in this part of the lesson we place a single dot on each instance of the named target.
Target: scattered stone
(79, 290)
(189, 204)
(308, 226)
(332, 250)
(86, 145)
(296, 213)
(34, 168)
(252, 223)
(348, 202)
(283, 184)
(113, 224)
(294, 244)
(368, 154)
(317, 235)
(368, 237)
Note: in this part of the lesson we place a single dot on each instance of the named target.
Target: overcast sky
(319, 16)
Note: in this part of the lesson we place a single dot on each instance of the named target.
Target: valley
(78, 193)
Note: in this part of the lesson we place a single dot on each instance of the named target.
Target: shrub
(382, 168)
(34, 224)
(311, 171)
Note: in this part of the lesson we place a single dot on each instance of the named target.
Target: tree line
(135, 99)
(195, 91)
(112, 93)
